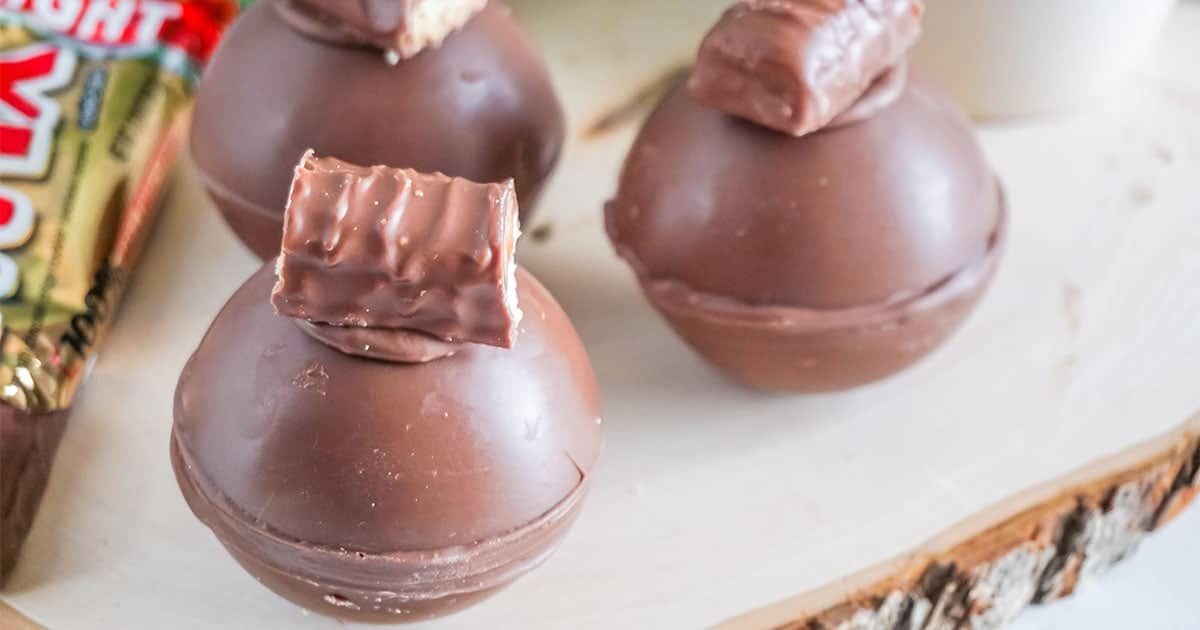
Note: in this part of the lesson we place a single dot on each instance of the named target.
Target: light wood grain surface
(711, 501)
(13, 620)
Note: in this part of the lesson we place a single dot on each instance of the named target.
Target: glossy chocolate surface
(849, 216)
(789, 349)
(376, 16)
(332, 449)
(480, 106)
(815, 263)
(370, 22)
(331, 470)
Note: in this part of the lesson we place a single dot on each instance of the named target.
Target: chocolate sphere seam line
(498, 571)
(675, 294)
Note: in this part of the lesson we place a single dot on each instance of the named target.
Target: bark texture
(1038, 551)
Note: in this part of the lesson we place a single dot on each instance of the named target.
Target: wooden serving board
(714, 504)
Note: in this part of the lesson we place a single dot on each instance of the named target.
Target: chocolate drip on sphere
(480, 106)
(375, 17)
(384, 344)
(379, 491)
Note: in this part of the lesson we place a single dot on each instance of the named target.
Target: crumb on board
(542, 233)
(1141, 194)
(1164, 154)
(1072, 297)
(1067, 366)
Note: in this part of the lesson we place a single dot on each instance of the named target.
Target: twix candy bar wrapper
(94, 97)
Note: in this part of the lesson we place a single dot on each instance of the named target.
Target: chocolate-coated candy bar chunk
(385, 248)
(794, 65)
(404, 26)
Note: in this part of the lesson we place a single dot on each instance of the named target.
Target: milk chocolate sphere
(378, 491)
(479, 106)
(810, 263)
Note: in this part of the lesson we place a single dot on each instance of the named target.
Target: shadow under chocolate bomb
(480, 106)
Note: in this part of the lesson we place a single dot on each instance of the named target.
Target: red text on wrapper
(16, 226)
(28, 118)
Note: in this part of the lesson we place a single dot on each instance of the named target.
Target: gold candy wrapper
(94, 96)
(92, 114)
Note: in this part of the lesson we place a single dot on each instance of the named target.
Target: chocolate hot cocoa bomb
(287, 78)
(808, 248)
(365, 487)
